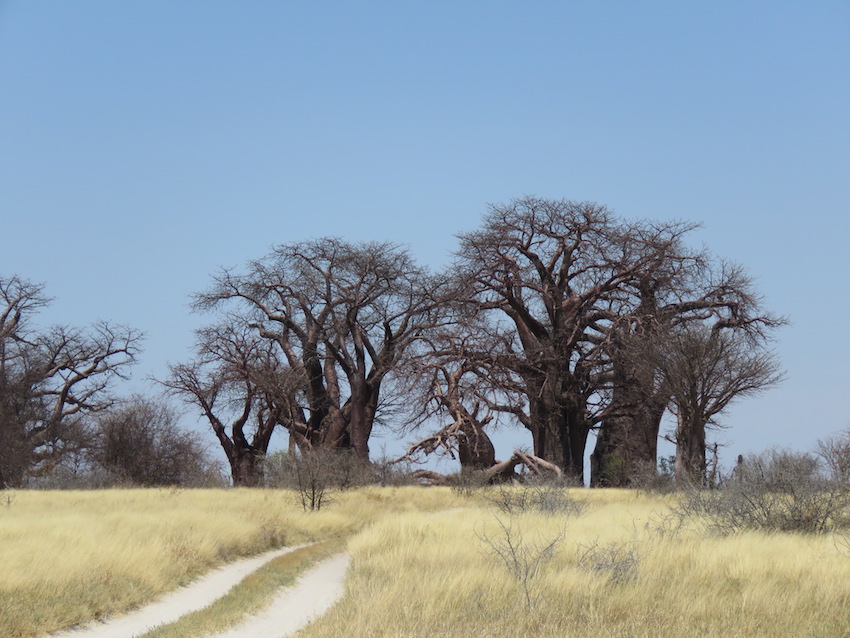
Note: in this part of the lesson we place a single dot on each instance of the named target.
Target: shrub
(776, 491)
(339, 469)
(835, 452)
(277, 470)
(467, 482)
(521, 558)
(141, 442)
(842, 543)
(655, 480)
(618, 561)
(545, 497)
(388, 473)
(312, 477)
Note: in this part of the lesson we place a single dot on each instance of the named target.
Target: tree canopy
(555, 316)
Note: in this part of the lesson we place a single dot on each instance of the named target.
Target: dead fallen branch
(501, 471)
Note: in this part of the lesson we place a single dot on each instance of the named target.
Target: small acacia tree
(835, 452)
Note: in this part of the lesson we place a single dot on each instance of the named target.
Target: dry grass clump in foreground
(69, 557)
(430, 575)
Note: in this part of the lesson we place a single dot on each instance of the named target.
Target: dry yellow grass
(419, 567)
(430, 575)
(68, 557)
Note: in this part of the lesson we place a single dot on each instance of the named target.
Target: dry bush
(655, 480)
(387, 473)
(340, 470)
(522, 559)
(313, 479)
(318, 475)
(835, 452)
(140, 441)
(775, 491)
(618, 561)
(467, 482)
(6, 498)
(90, 478)
(309, 475)
(842, 542)
(545, 497)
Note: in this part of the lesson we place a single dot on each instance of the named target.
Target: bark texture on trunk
(559, 434)
(690, 449)
(358, 426)
(244, 469)
(627, 445)
(475, 449)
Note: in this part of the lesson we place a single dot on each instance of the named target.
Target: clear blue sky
(144, 144)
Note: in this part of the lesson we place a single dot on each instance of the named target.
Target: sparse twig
(617, 560)
(522, 559)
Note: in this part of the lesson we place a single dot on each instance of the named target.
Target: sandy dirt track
(294, 607)
(174, 605)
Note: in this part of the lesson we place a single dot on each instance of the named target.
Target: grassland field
(425, 562)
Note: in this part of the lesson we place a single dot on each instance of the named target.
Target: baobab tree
(557, 272)
(241, 388)
(683, 289)
(341, 316)
(451, 384)
(705, 370)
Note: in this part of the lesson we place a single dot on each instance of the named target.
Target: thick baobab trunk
(558, 421)
(361, 416)
(357, 424)
(627, 445)
(690, 449)
(245, 456)
(559, 434)
(244, 469)
(475, 449)
(334, 433)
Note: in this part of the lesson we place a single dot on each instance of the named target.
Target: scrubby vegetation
(778, 491)
(609, 571)
(537, 560)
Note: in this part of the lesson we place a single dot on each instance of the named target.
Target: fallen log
(501, 471)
